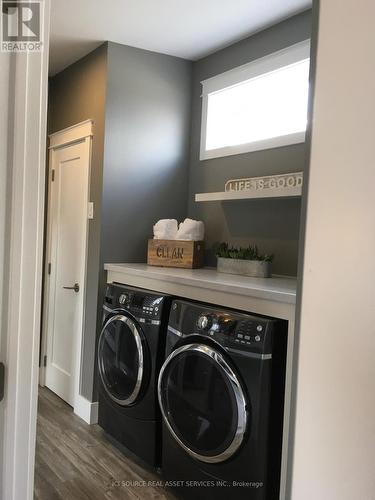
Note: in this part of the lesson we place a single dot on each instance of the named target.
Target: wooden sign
(282, 181)
(175, 253)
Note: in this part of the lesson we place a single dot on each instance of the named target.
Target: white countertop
(279, 289)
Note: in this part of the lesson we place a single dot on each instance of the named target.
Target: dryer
(221, 393)
(130, 352)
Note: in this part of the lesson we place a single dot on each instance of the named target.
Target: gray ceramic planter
(254, 268)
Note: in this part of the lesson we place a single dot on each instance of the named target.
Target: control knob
(205, 322)
(123, 298)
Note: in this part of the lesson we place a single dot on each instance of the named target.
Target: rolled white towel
(191, 230)
(165, 229)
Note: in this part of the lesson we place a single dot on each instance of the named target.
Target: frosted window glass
(271, 105)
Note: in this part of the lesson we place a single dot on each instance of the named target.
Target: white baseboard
(86, 410)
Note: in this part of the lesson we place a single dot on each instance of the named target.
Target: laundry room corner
(186, 250)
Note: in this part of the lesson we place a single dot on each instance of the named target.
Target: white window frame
(271, 62)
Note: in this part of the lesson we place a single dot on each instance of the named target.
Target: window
(260, 105)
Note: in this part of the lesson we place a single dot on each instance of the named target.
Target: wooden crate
(175, 253)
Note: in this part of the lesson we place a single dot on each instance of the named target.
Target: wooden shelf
(291, 192)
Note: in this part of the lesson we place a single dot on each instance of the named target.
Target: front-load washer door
(202, 402)
(122, 359)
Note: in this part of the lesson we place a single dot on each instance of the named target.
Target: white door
(68, 214)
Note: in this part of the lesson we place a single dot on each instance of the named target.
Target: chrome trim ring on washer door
(137, 337)
(239, 397)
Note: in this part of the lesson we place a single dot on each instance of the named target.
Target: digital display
(138, 301)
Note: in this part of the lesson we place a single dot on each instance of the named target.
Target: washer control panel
(151, 306)
(231, 329)
(247, 332)
(139, 303)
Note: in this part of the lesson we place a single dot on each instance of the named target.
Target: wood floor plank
(75, 461)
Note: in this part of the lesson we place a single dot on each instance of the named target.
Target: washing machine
(221, 394)
(130, 352)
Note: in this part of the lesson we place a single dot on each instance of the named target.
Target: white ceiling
(186, 28)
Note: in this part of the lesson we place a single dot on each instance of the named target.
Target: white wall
(334, 448)
(4, 98)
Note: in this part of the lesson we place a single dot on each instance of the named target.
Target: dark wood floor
(75, 461)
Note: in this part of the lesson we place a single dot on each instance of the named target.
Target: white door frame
(81, 132)
(27, 164)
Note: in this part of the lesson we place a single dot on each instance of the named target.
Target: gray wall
(77, 94)
(147, 139)
(140, 102)
(273, 225)
(147, 132)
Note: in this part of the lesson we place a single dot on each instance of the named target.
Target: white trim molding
(27, 162)
(272, 62)
(86, 410)
(71, 134)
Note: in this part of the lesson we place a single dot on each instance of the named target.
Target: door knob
(75, 287)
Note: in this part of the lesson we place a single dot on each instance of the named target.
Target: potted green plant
(245, 261)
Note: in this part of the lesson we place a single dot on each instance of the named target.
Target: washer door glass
(121, 359)
(202, 402)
